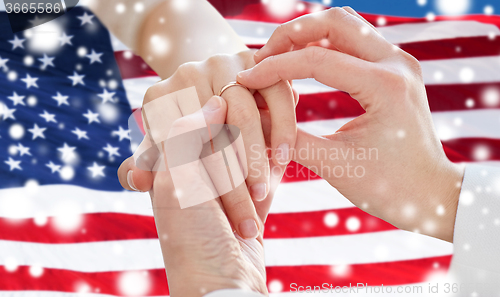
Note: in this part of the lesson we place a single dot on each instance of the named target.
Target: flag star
(3, 63)
(60, 99)
(92, 117)
(16, 99)
(77, 79)
(47, 61)
(96, 170)
(30, 81)
(65, 39)
(67, 152)
(49, 117)
(8, 113)
(80, 133)
(23, 150)
(37, 21)
(13, 164)
(16, 42)
(121, 133)
(53, 167)
(112, 151)
(86, 19)
(94, 57)
(107, 96)
(37, 132)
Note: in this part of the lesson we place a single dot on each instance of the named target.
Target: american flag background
(67, 228)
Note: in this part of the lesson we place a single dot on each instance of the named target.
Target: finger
(346, 32)
(243, 113)
(133, 178)
(279, 99)
(332, 68)
(354, 13)
(276, 172)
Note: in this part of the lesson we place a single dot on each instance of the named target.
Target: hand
(399, 171)
(209, 77)
(200, 250)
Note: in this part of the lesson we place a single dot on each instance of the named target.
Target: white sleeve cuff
(233, 293)
(476, 260)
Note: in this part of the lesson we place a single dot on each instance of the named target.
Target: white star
(65, 39)
(107, 96)
(60, 99)
(85, 19)
(37, 21)
(96, 170)
(67, 152)
(37, 132)
(30, 81)
(23, 150)
(48, 117)
(3, 63)
(8, 113)
(16, 42)
(13, 164)
(92, 117)
(80, 133)
(122, 133)
(112, 151)
(16, 99)
(47, 61)
(53, 167)
(77, 79)
(94, 57)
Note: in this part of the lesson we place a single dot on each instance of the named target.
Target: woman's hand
(200, 250)
(243, 112)
(398, 169)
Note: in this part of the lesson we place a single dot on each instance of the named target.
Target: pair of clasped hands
(218, 244)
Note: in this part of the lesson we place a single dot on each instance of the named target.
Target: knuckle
(316, 55)
(337, 12)
(187, 71)
(153, 92)
(242, 115)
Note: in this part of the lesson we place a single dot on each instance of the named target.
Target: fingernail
(213, 104)
(248, 229)
(130, 181)
(258, 191)
(244, 73)
(282, 153)
(257, 53)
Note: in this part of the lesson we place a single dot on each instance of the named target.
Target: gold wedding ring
(231, 84)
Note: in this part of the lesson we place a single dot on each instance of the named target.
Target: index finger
(346, 32)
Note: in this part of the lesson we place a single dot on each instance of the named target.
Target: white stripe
(414, 290)
(48, 200)
(461, 71)
(474, 123)
(141, 254)
(55, 200)
(136, 88)
(259, 32)
(435, 72)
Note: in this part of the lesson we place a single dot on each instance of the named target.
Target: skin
(409, 183)
(200, 33)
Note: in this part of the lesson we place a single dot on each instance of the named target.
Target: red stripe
(466, 47)
(70, 281)
(453, 48)
(252, 11)
(334, 105)
(374, 274)
(133, 66)
(284, 225)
